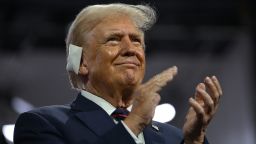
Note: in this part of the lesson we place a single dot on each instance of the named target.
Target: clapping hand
(203, 106)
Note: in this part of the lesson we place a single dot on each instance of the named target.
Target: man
(106, 63)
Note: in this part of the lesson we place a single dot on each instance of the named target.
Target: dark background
(201, 37)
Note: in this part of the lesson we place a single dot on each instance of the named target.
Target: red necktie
(120, 114)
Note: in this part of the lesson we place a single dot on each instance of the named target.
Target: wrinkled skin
(113, 66)
(114, 60)
(202, 109)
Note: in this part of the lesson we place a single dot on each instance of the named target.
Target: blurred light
(8, 131)
(20, 105)
(164, 113)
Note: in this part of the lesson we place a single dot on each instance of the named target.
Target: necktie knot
(120, 114)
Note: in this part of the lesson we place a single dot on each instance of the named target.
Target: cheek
(111, 53)
(106, 56)
(141, 56)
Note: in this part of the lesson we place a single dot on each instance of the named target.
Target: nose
(128, 53)
(128, 49)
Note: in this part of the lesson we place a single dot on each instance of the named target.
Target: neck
(116, 96)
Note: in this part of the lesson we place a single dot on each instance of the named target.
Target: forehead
(117, 24)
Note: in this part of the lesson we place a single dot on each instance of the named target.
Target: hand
(202, 109)
(146, 98)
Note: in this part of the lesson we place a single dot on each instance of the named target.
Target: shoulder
(47, 115)
(51, 110)
(39, 122)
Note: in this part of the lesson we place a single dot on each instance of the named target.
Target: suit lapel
(152, 135)
(93, 116)
(99, 122)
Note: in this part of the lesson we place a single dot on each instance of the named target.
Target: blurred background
(200, 37)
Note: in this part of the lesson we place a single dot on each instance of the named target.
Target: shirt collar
(99, 101)
(105, 105)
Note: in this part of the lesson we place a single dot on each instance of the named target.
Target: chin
(131, 83)
(131, 78)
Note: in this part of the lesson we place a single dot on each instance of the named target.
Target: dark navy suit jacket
(84, 122)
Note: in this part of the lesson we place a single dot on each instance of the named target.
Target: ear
(83, 70)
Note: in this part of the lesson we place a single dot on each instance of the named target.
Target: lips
(128, 63)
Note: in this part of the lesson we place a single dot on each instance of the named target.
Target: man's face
(115, 54)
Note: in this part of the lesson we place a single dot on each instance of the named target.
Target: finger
(217, 84)
(198, 97)
(197, 107)
(160, 80)
(214, 93)
(208, 102)
(156, 99)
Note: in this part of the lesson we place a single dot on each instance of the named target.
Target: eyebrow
(117, 32)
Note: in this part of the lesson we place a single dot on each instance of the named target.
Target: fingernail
(201, 85)
(207, 79)
(191, 99)
(174, 69)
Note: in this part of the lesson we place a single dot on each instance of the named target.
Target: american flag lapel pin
(155, 127)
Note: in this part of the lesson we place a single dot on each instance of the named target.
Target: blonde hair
(143, 17)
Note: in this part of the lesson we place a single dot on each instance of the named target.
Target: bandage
(74, 58)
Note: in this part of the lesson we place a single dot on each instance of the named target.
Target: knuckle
(211, 103)
(200, 112)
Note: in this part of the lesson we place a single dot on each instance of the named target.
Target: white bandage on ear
(74, 58)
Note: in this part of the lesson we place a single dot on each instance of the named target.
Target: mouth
(128, 64)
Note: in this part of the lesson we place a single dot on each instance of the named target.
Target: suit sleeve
(118, 135)
(31, 128)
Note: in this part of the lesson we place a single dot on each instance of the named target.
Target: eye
(113, 40)
(136, 41)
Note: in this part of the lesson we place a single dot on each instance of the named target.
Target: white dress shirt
(110, 109)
